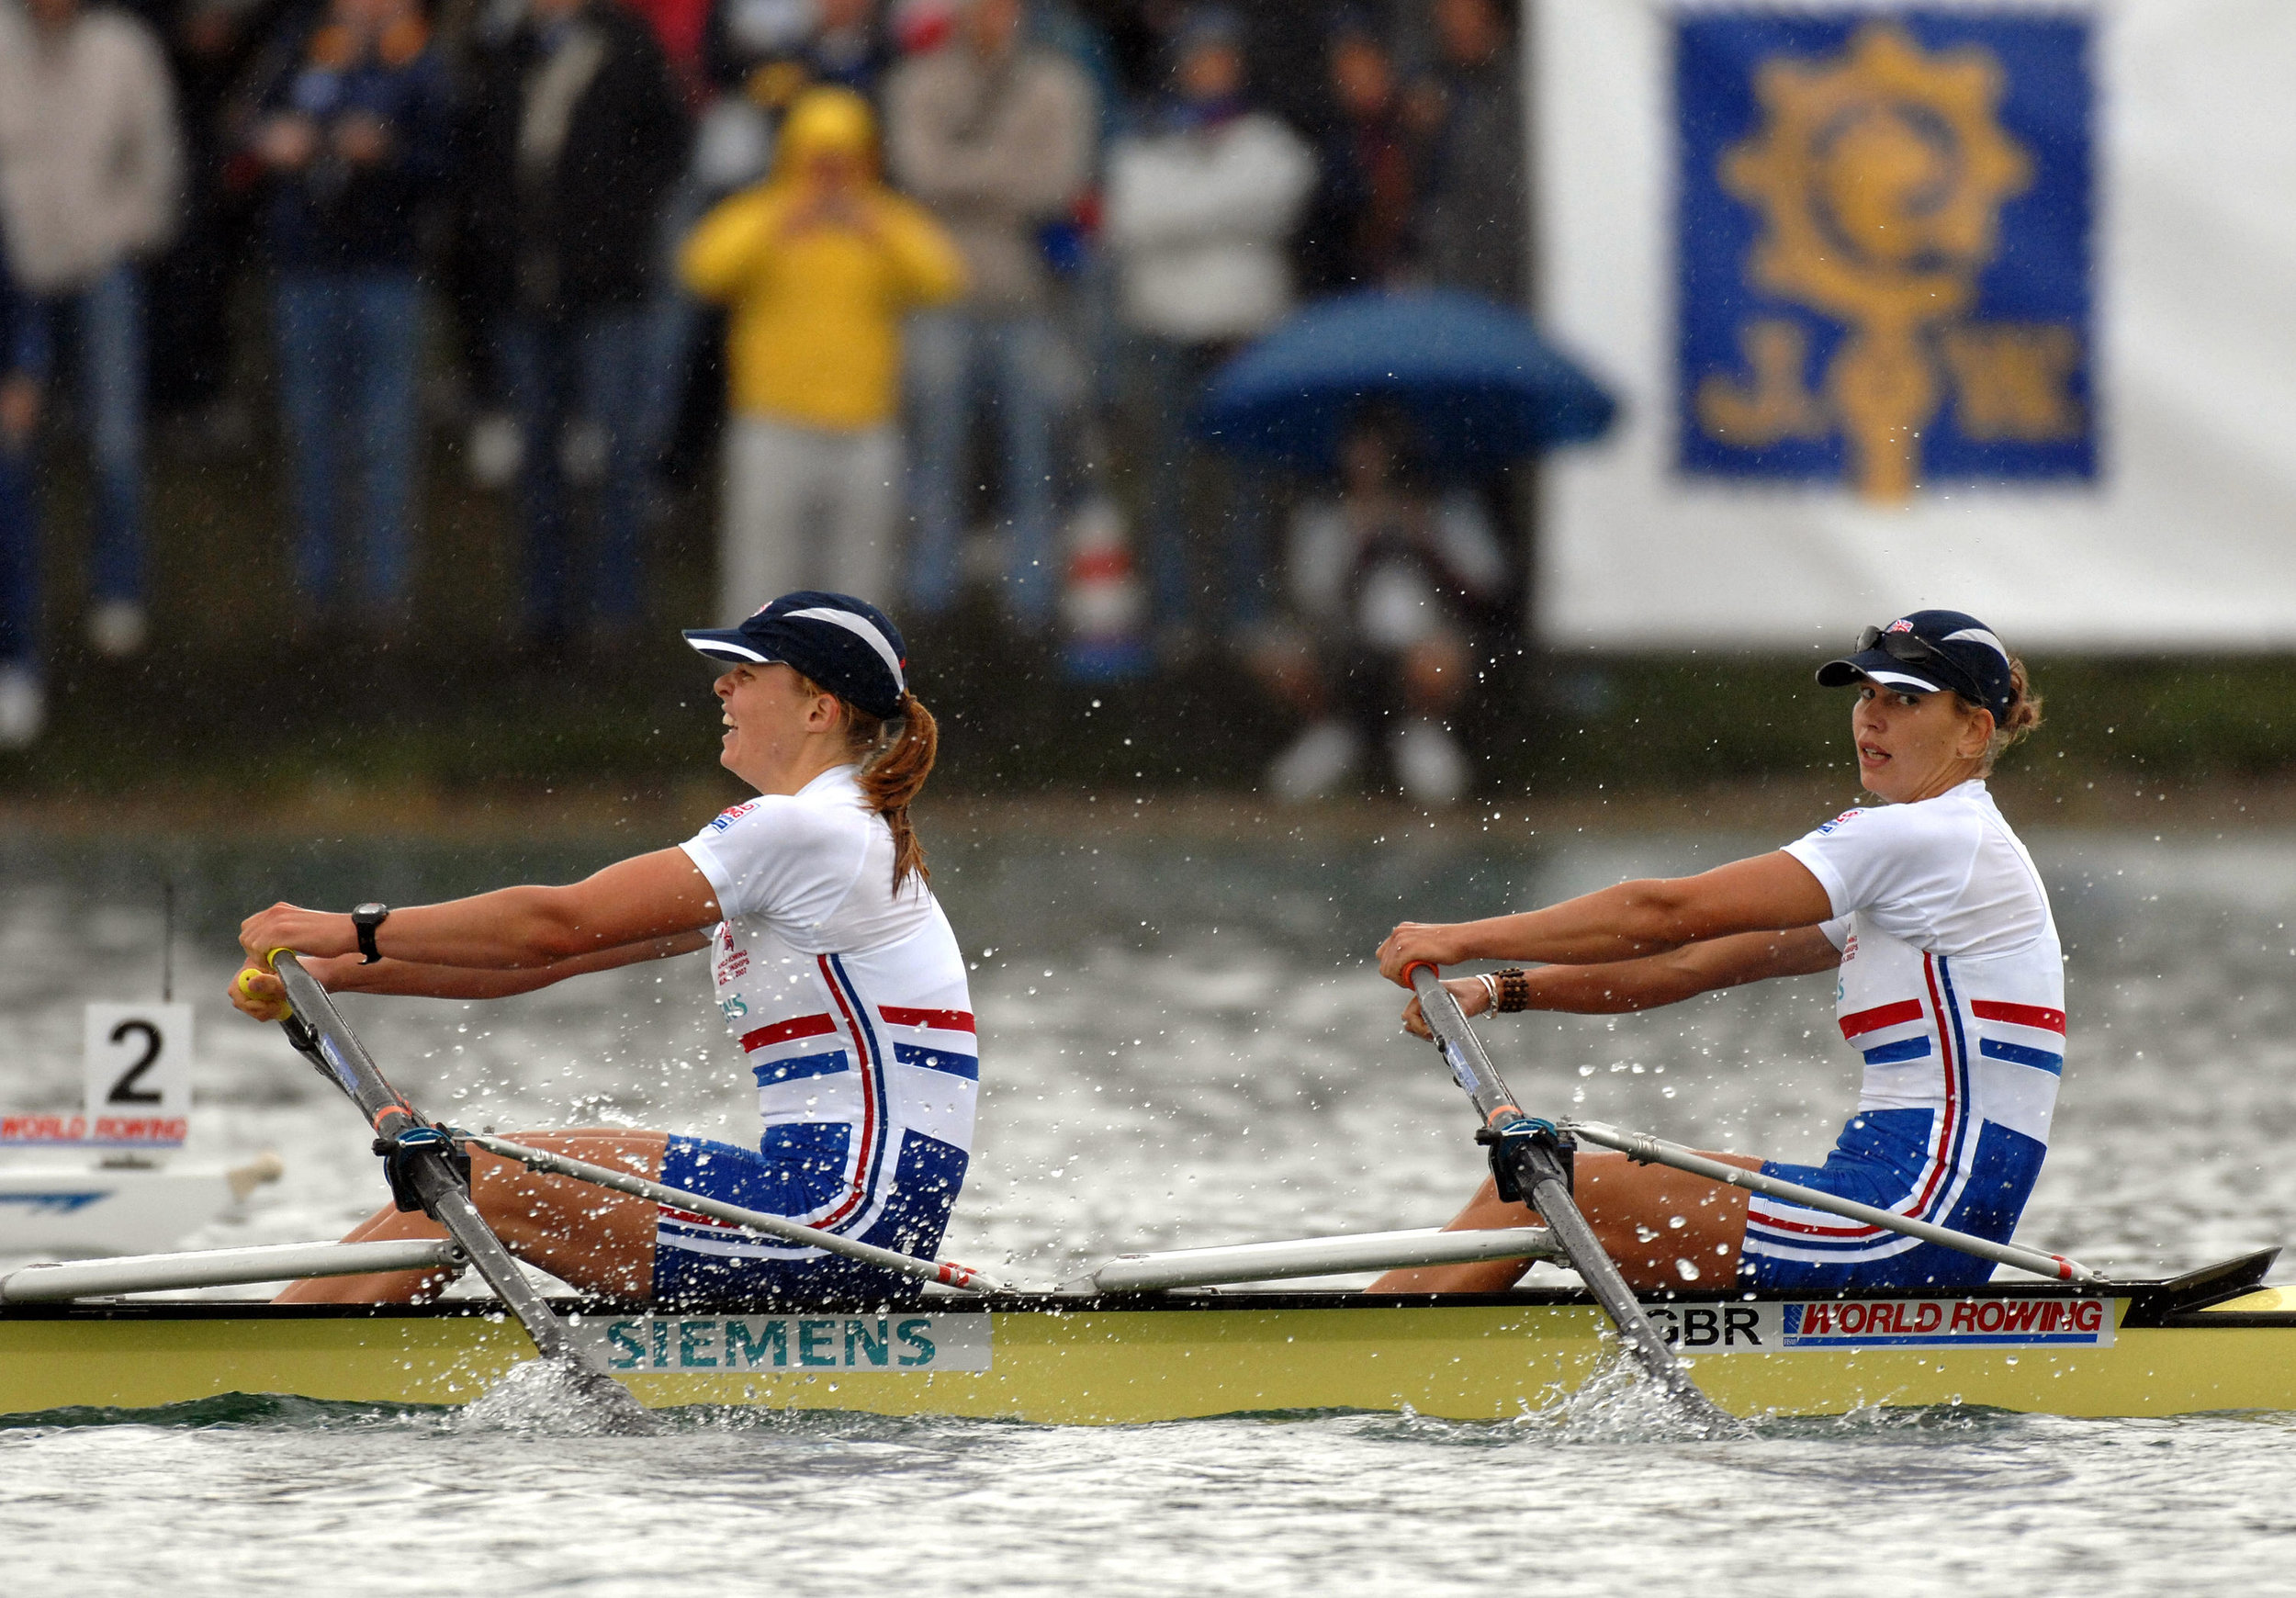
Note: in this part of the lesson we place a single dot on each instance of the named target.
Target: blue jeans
(19, 554)
(672, 319)
(950, 353)
(105, 321)
(590, 369)
(350, 344)
(1169, 378)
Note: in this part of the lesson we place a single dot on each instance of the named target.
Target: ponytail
(894, 774)
(2023, 715)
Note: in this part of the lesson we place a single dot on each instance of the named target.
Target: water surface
(1184, 1045)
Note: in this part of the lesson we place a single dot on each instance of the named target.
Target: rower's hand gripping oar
(429, 1171)
(1530, 1162)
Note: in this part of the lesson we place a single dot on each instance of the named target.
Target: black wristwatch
(366, 917)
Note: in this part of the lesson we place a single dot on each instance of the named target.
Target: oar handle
(1461, 1049)
(316, 1028)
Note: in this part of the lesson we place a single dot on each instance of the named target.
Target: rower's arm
(1665, 979)
(637, 900)
(348, 973)
(1619, 985)
(1626, 922)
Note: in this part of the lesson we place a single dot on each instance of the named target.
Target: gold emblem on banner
(1880, 176)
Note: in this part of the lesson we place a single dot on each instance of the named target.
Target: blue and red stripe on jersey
(1935, 1173)
(2021, 1034)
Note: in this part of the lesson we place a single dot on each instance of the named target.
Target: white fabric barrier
(2185, 536)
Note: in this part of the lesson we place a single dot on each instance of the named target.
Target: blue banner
(1882, 236)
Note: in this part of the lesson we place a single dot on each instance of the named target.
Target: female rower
(833, 966)
(1950, 984)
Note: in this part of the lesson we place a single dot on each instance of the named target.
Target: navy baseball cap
(847, 645)
(1928, 651)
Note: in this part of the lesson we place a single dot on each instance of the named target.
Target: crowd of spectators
(947, 244)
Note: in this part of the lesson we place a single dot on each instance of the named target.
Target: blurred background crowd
(918, 298)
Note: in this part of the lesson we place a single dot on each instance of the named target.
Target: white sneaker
(1315, 762)
(495, 450)
(582, 454)
(1429, 761)
(117, 628)
(23, 707)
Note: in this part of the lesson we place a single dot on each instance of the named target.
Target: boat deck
(2215, 1340)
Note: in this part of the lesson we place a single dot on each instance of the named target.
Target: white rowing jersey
(1953, 989)
(850, 1005)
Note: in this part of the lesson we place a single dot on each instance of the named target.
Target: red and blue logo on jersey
(725, 818)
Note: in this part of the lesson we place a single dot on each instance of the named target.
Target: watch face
(371, 910)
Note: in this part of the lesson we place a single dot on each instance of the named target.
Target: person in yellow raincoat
(818, 264)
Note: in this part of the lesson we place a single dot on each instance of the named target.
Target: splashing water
(555, 1398)
(1621, 1402)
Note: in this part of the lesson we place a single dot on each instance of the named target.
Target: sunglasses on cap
(1915, 650)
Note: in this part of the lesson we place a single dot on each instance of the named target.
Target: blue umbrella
(1483, 386)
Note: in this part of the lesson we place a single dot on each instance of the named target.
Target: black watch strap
(366, 917)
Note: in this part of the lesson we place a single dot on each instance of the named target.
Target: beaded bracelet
(1512, 989)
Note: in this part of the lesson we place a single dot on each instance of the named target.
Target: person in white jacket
(1200, 217)
(91, 167)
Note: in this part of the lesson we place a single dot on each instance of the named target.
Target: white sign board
(138, 1074)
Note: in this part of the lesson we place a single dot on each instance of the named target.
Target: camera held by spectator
(816, 267)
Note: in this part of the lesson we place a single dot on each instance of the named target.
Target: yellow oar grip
(270, 962)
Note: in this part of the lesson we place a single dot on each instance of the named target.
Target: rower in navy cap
(1951, 986)
(831, 962)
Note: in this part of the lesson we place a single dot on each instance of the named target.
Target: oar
(1644, 1148)
(1526, 1162)
(947, 1273)
(427, 1172)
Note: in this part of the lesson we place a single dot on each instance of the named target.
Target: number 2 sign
(137, 1072)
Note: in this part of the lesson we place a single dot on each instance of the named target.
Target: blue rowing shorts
(703, 1263)
(1888, 1159)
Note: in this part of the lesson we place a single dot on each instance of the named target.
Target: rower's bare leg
(599, 1240)
(1663, 1228)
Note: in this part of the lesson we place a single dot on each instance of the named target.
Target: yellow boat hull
(1117, 1364)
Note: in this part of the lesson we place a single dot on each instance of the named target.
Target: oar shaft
(335, 1047)
(1539, 1176)
(946, 1272)
(319, 1031)
(1657, 1150)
